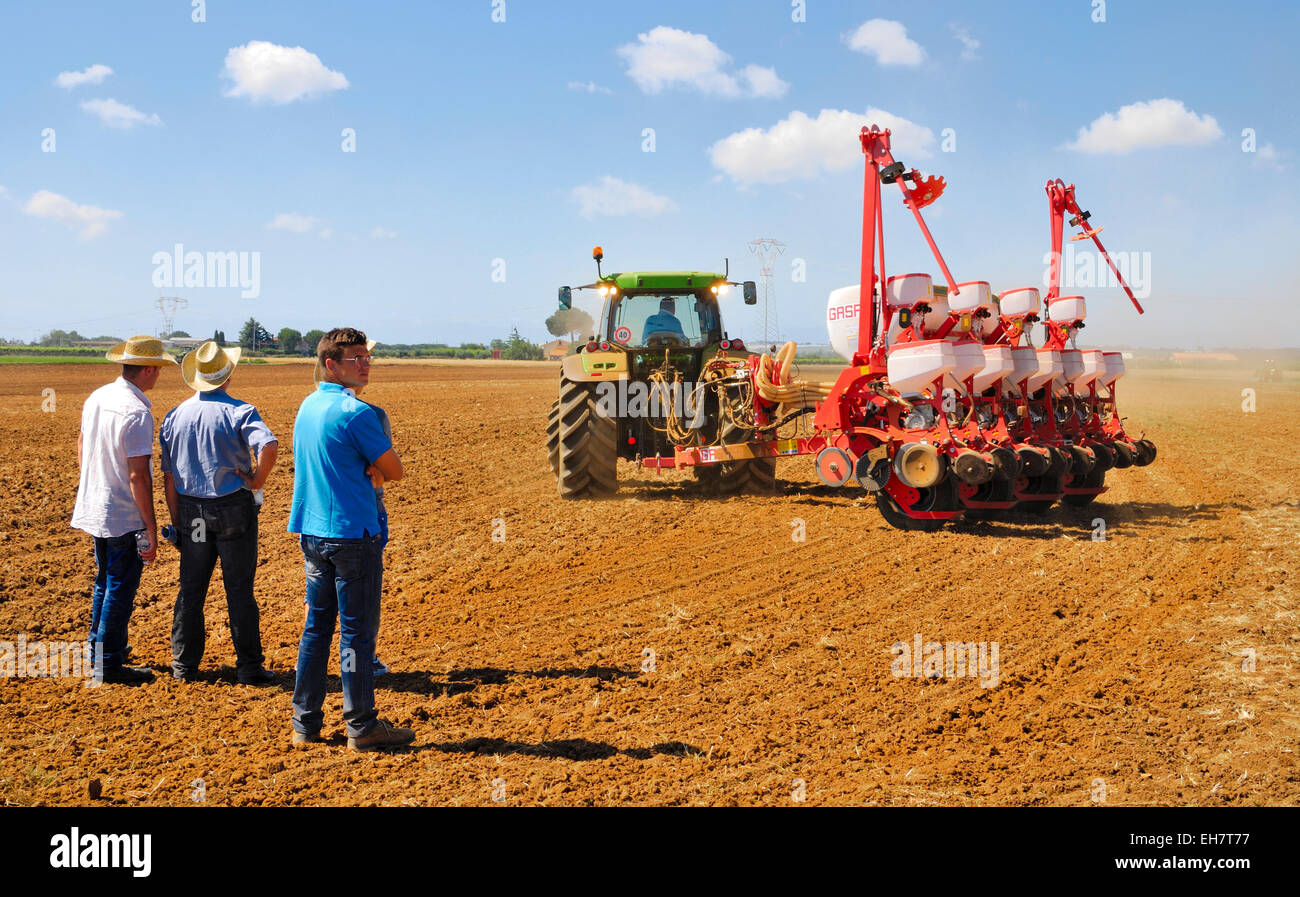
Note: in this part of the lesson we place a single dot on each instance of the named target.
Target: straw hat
(370, 347)
(209, 366)
(142, 350)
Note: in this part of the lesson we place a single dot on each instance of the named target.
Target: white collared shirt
(116, 424)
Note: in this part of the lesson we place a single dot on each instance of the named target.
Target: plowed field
(668, 648)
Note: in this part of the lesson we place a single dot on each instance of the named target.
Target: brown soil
(519, 663)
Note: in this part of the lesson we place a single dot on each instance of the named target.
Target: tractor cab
(662, 319)
(648, 317)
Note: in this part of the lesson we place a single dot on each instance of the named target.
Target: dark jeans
(343, 582)
(229, 531)
(113, 599)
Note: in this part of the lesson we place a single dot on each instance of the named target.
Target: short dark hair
(332, 344)
(132, 371)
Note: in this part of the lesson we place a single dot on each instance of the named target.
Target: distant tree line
(255, 337)
(67, 338)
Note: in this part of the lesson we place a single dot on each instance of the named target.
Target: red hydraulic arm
(881, 168)
(869, 361)
(1061, 200)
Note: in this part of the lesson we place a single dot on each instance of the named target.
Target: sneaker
(127, 675)
(259, 676)
(383, 735)
(302, 739)
(380, 668)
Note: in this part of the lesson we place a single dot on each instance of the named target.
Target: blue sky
(477, 140)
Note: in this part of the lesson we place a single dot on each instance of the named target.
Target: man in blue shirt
(340, 456)
(665, 320)
(213, 495)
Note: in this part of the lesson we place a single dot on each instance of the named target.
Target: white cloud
(263, 71)
(589, 87)
(292, 221)
(1267, 156)
(383, 233)
(763, 82)
(969, 46)
(886, 40)
(611, 196)
(119, 115)
(800, 147)
(326, 233)
(89, 221)
(93, 75)
(665, 57)
(1163, 122)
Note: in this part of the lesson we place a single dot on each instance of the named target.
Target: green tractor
(659, 371)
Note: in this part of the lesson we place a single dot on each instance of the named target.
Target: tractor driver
(664, 320)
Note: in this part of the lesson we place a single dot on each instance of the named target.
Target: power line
(767, 249)
(168, 305)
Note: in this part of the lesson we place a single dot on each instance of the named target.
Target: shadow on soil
(560, 749)
(461, 681)
(1059, 520)
(565, 748)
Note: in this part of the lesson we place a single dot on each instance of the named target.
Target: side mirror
(566, 297)
(751, 292)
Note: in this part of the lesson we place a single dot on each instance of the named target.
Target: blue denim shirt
(206, 439)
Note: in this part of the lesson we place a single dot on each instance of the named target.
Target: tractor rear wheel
(587, 444)
(757, 475)
(553, 437)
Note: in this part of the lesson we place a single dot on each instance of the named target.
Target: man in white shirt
(115, 498)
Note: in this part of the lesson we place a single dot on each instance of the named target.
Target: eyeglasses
(360, 359)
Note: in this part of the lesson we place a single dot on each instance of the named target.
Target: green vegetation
(54, 351)
(68, 337)
(57, 345)
(254, 335)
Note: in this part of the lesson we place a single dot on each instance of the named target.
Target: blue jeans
(230, 534)
(343, 582)
(113, 599)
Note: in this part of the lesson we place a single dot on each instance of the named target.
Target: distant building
(555, 349)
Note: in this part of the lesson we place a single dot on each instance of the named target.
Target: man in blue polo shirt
(341, 456)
